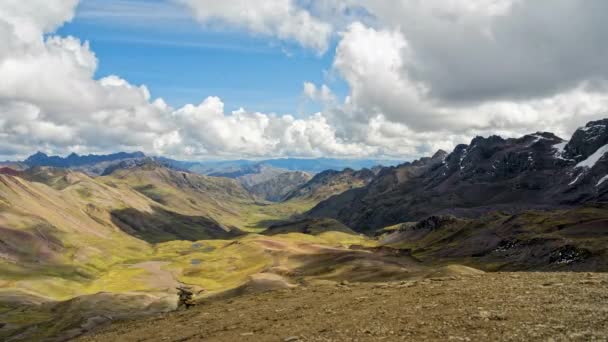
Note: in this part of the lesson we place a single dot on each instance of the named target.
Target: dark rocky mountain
(74, 160)
(538, 170)
(264, 181)
(328, 183)
(278, 186)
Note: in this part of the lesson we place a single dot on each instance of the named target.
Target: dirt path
(489, 307)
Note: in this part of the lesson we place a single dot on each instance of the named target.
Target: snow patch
(605, 178)
(576, 179)
(464, 155)
(538, 138)
(560, 149)
(593, 159)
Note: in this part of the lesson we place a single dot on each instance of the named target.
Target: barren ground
(487, 307)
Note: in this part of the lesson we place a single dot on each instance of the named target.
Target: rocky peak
(439, 155)
(587, 140)
(36, 156)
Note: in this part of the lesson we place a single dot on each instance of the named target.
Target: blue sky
(405, 78)
(160, 45)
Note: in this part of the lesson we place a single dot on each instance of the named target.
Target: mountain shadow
(535, 240)
(163, 225)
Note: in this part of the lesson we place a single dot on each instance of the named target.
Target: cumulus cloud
(284, 19)
(321, 94)
(50, 101)
(440, 72)
(207, 129)
(472, 50)
(421, 75)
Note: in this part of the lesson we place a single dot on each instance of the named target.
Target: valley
(299, 170)
(509, 221)
(129, 238)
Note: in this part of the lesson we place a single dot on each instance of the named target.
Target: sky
(203, 79)
(160, 44)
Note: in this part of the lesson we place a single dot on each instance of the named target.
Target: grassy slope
(74, 248)
(75, 212)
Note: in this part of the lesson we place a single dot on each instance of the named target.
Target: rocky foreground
(473, 307)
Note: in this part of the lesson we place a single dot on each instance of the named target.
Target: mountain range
(537, 170)
(94, 237)
(95, 164)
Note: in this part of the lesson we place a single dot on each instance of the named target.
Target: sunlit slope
(54, 240)
(128, 239)
(57, 239)
(66, 234)
(224, 268)
(218, 198)
(222, 200)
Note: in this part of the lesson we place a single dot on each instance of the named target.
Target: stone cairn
(185, 297)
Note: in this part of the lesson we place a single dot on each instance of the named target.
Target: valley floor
(474, 307)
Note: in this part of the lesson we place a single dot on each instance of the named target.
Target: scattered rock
(590, 282)
(552, 284)
(490, 316)
(568, 255)
(406, 284)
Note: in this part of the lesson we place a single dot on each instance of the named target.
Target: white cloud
(322, 94)
(207, 129)
(284, 19)
(49, 100)
(421, 75)
(390, 108)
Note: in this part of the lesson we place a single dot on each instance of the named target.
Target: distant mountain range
(237, 168)
(96, 164)
(75, 160)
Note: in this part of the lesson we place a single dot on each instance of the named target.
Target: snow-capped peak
(560, 150)
(593, 159)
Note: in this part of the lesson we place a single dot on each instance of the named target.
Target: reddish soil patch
(9, 172)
